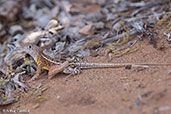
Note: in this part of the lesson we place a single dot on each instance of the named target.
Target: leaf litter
(74, 30)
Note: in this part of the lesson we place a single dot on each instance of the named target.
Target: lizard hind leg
(71, 71)
(56, 69)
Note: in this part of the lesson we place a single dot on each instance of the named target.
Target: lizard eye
(29, 47)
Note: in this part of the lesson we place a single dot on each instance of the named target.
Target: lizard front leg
(39, 69)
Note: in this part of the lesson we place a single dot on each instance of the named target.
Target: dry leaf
(9, 9)
(86, 30)
(93, 8)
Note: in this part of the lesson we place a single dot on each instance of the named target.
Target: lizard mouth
(28, 55)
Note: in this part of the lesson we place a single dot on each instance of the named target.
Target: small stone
(169, 71)
(58, 97)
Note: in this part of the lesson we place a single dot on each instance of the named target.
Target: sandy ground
(109, 91)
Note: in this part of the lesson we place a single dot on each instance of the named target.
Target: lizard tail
(117, 65)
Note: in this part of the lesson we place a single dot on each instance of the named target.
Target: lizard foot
(67, 77)
(33, 78)
(57, 68)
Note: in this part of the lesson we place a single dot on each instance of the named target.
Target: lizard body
(42, 60)
(54, 66)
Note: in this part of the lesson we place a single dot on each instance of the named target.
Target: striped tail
(84, 65)
(97, 65)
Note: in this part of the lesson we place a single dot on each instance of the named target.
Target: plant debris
(69, 31)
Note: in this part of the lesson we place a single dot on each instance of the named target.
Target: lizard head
(30, 49)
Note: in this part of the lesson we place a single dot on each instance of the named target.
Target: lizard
(54, 66)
